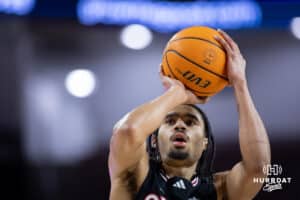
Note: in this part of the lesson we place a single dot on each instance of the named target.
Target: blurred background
(70, 69)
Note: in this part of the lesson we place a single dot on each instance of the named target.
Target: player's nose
(180, 126)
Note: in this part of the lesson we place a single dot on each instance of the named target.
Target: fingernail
(219, 30)
(216, 37)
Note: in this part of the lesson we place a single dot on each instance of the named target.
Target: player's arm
(253, 139)
(127, 146)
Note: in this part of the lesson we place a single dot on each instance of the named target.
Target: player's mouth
(179, 140)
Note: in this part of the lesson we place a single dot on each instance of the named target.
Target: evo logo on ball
(190, 76)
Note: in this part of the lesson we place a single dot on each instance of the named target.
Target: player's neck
(185, 172)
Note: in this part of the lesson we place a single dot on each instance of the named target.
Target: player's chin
(178, 154)
(180, 149)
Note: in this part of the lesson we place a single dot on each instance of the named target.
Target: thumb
(203, 100)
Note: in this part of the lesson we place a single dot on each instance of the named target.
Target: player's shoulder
(219, 179)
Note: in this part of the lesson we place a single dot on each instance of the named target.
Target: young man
(180, 168)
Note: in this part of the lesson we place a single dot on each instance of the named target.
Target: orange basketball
(194, 57)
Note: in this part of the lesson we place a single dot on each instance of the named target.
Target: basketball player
(164, 148)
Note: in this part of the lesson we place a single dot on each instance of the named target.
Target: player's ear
(153, 141)
(205, 142)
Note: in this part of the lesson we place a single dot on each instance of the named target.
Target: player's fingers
(230, 41)
(160, 72)
(200, 99)
(163, 77)
(225, 44)
(168, 82)
(165, 83)
(203, 100)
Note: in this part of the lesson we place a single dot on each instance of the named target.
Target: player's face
(181, 136)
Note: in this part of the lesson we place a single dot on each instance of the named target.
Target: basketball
(194, 57)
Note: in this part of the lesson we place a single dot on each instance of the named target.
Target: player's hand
(190, 97)
(236, 64)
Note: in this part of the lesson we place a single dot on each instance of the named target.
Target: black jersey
(157, 186)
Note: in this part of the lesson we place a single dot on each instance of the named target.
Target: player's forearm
(254, 142)
(146, 118)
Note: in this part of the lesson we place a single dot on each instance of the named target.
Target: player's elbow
(126, 132)
(264, 161)
(125, 128)
(257, 169)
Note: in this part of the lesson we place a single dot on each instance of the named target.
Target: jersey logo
(179, 184)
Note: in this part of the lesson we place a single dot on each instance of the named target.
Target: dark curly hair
(205, 164)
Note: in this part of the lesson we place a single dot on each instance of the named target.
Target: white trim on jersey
(165, 178)
(195, 181)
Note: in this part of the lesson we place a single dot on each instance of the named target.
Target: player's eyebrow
(192, 116)
(184, 115)
(172, 115)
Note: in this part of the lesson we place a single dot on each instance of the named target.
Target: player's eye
(170, 121)
(190, 122)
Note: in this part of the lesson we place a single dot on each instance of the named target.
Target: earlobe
(153, 141)
(205, 142)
